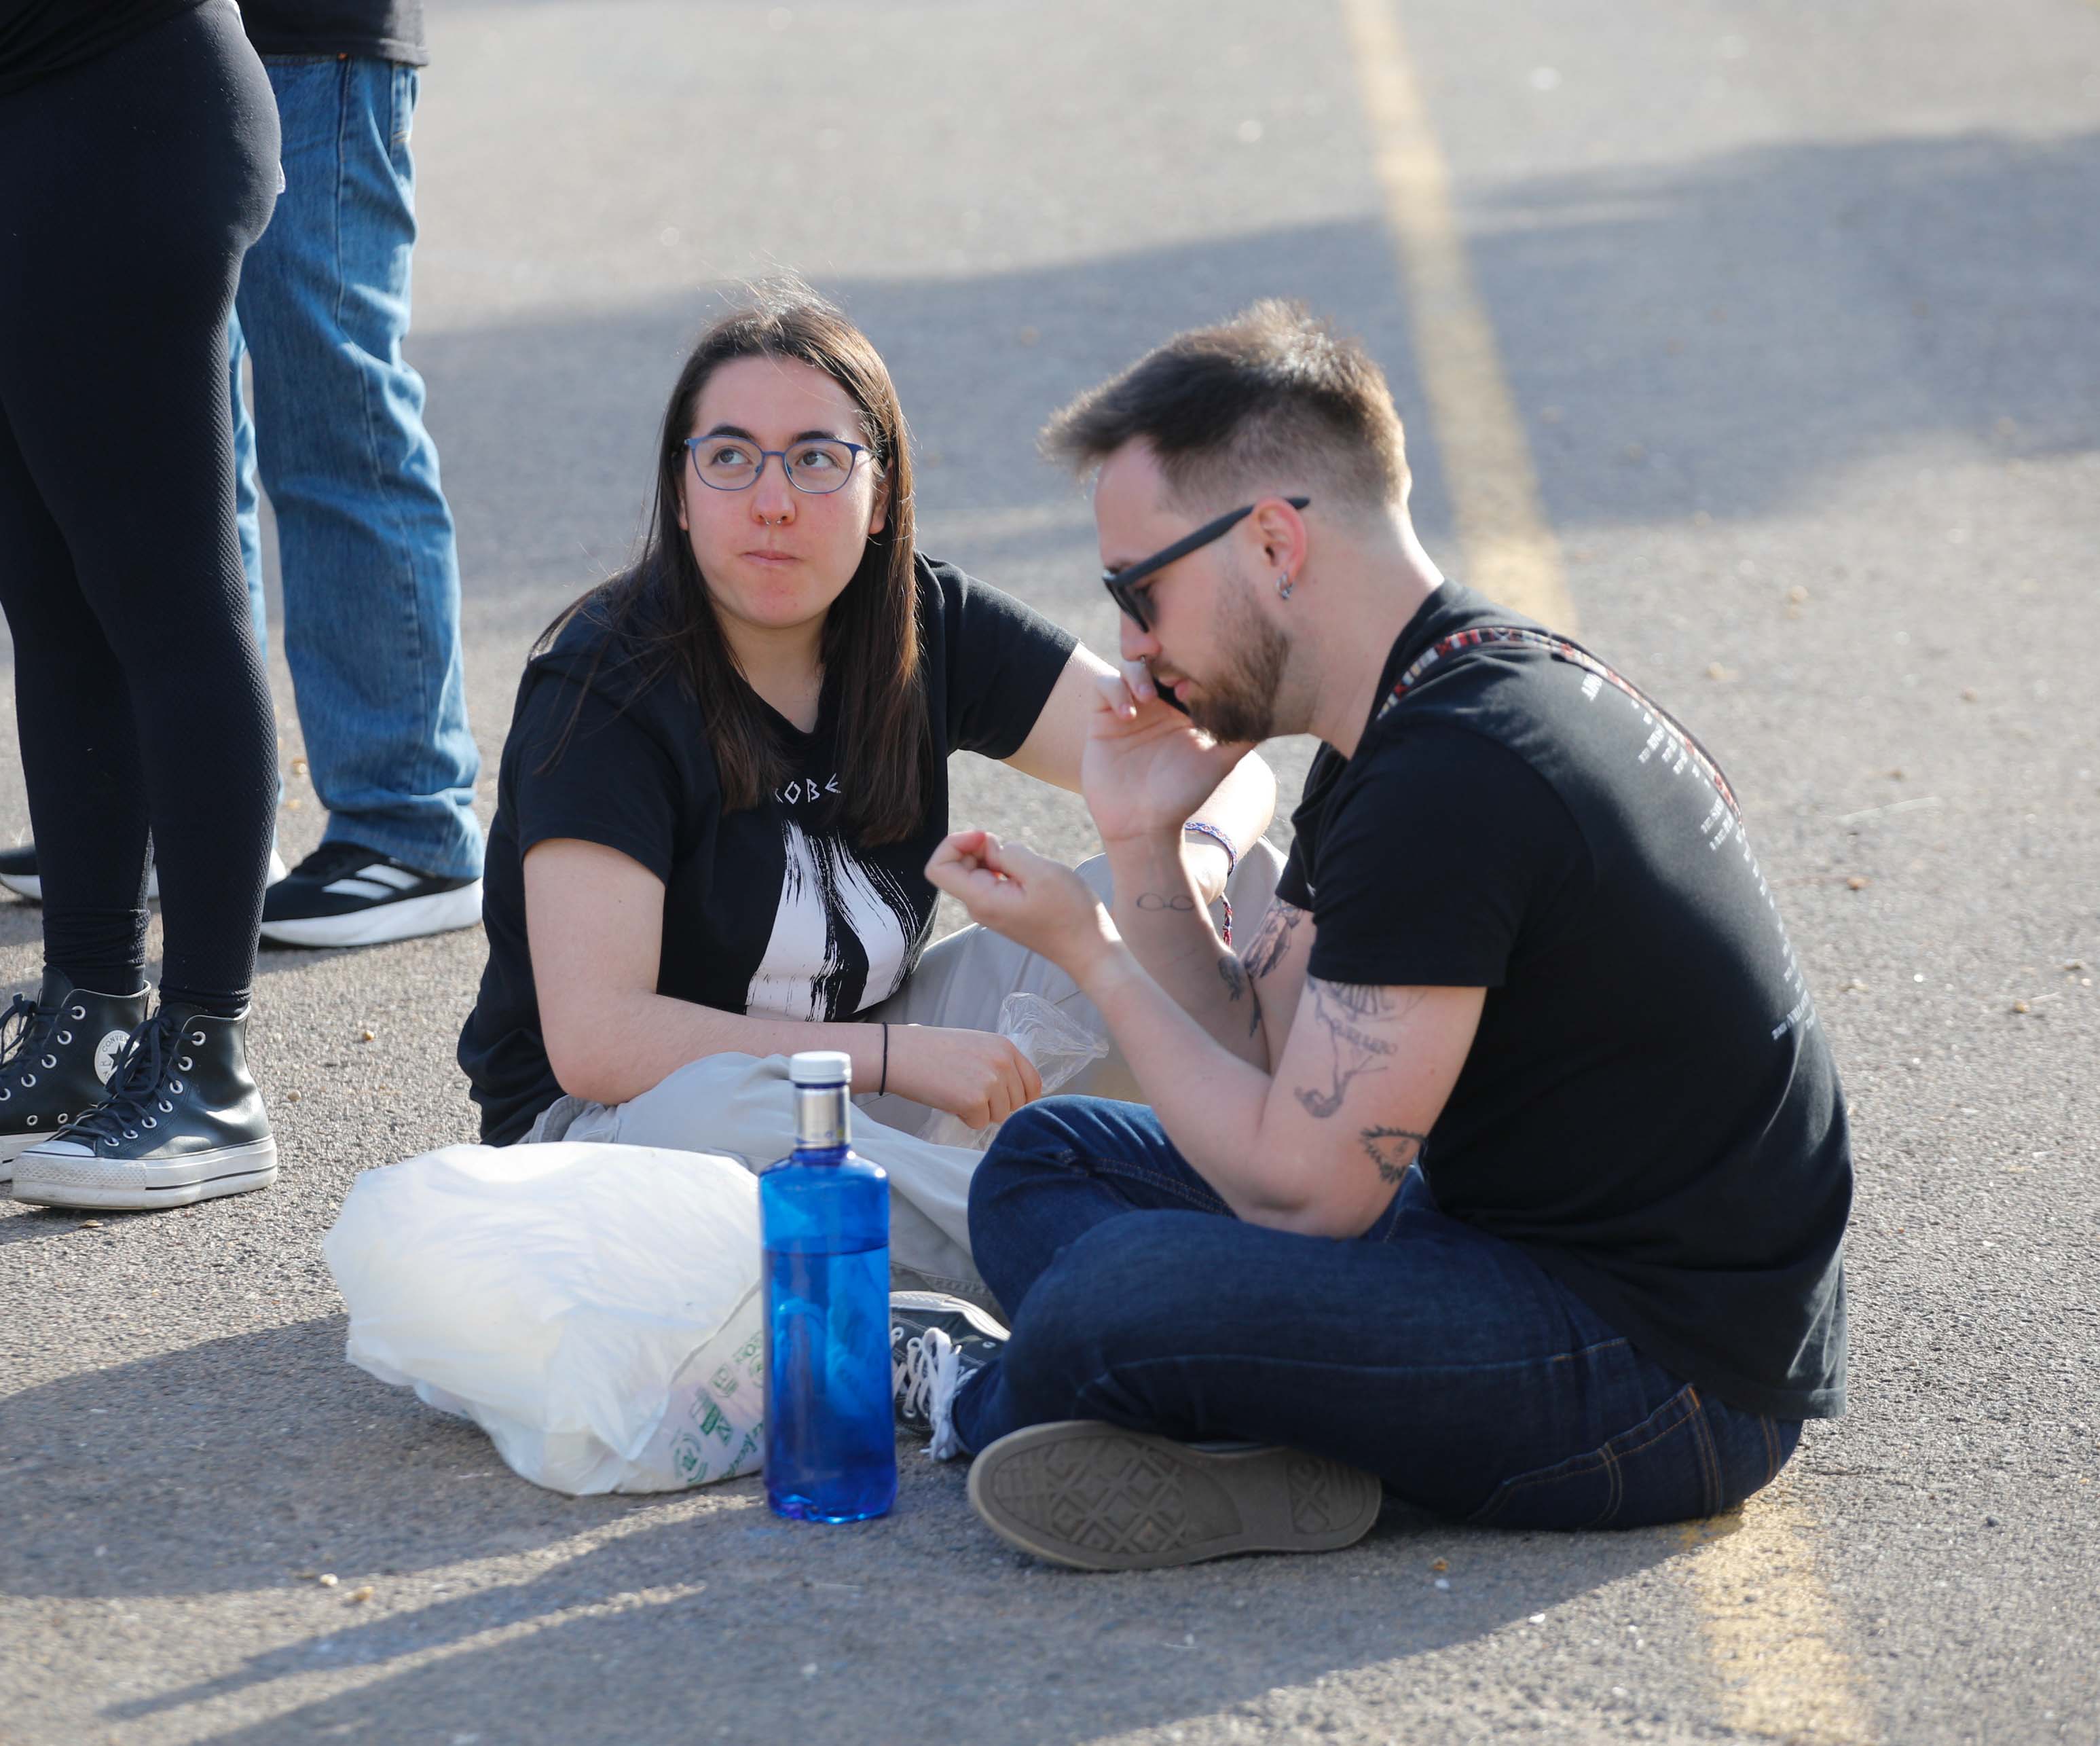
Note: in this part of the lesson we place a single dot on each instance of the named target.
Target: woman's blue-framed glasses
(818, 465)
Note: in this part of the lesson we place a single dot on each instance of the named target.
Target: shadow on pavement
(735, 1624)
(233, 1464)
(1723, 336)
(979, 362)
(22, 1223)
(1731, 334)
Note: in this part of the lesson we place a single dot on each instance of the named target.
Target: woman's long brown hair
(659, 620)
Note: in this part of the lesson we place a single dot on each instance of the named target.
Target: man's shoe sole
(90, 1181)
(411, 918)
(1092, 1497)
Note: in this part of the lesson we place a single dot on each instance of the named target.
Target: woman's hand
(979, 1076)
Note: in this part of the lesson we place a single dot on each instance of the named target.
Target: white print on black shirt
(835, 909)
(803, 790)
(1722, 825)
(1680, 752)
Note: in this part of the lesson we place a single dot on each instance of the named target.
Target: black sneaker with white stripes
(19, 873)
(346, 894)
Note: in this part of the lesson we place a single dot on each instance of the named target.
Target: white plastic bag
(1055, 1041)
(595, 1309)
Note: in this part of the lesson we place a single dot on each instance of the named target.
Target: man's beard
(1239, 705)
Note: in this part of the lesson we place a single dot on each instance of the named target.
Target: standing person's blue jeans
(370, 573)
(1443, 1360)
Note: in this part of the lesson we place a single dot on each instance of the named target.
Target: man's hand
(1035, 902)
(1146, 766)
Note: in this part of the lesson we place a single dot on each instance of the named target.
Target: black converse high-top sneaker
(184, 1122)
(60, 1049)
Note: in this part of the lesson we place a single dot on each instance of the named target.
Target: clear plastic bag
(1053, 1039)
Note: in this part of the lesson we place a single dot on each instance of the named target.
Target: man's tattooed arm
(1392, 1150)
(1272, 939)
(1355, 1016)
(1238, 983)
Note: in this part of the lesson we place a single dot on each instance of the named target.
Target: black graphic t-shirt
(1650, 1108)
(768, 910)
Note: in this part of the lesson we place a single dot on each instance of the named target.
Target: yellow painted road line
(1510, 553)
(1772, 1628)
(1774, 1631)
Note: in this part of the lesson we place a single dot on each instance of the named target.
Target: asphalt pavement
(1798, 308)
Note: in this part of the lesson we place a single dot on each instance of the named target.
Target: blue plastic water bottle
(830, 1440)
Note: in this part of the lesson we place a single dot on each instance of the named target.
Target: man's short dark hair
(1272, 397)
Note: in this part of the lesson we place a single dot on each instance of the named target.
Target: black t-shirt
(381, 30)
(42, 37)
(767, 910)
(1650, 1108)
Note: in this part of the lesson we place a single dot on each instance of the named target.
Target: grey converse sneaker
(184, 1122)
(1094, 1496)
(59, 1051)
(935, 1342)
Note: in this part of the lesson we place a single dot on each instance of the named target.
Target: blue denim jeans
(1445, 1361)
(370, 570)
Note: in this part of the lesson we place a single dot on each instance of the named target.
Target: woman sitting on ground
(727, 766)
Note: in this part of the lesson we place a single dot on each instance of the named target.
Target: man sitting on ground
(1504, 1164)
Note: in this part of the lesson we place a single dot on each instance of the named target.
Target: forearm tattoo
(1272, 939)
(1354, 1013)
(1234, 976)
(1392, 1150)
(1166, 900)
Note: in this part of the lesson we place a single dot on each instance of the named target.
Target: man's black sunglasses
(1124, 584)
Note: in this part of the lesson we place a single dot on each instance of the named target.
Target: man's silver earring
(1284, 585)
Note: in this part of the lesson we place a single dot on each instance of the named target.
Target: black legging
(130, 188)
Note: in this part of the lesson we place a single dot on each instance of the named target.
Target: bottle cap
(821, 1067)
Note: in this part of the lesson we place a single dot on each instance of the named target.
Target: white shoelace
(925, 1384)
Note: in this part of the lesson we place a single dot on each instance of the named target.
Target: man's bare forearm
(1242, 805)
(1161, 916)
(1211, 1100)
